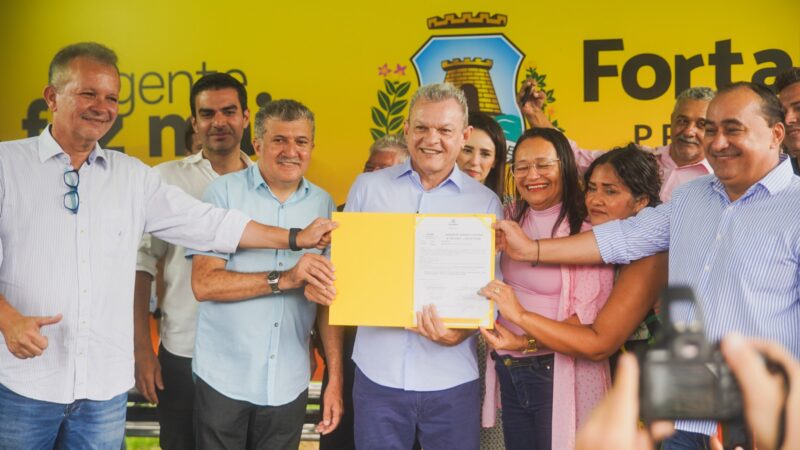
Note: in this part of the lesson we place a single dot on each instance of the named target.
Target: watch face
(273, 276)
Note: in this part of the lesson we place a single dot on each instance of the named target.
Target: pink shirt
(672, 176)
(578, 384)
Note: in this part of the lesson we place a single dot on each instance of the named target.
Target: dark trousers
(225, 423)
(390, 419)
(526, 393)
(176, 402)
(686, 440)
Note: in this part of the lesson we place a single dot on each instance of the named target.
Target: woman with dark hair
(484, 154)
(546, 395)
(619, 184)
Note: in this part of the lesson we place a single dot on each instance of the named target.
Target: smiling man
(421, 382)
(254, 324)
(787, 85)
(71, 218)
(732, 236)
(680, 161)
(218, 103)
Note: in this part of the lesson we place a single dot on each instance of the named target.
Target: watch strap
(293, 239)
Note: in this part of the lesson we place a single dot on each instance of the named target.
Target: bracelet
(538, 248)
(293, 239)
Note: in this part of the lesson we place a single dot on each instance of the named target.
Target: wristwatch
(531, 347)
(293, 239)
(272, 279)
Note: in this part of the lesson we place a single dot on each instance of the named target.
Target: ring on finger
(496, 290)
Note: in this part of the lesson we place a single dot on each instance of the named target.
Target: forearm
(578, 249)
(222, 285)
(332, 337)
(573, 339)
(141, 312)
(258, 235)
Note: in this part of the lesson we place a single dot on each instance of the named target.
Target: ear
(778, 133)
(405, 130)
(640, 203)
(50, 97)
(467, 133)
(194, 125)
(257, 146)
(246, 115)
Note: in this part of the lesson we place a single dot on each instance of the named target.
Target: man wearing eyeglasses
(71, 218)
(681, 161)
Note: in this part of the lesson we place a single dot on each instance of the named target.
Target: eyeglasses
(542, 166)
(71, 198)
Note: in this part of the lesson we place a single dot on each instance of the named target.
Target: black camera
(683, 376)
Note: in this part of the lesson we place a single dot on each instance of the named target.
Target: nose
(792, 115)
(594, 198)
(474, 160)
(716, 142)
(219, 119)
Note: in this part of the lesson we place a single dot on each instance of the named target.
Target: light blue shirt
(741, 258)
(256, 350)
(394, 357)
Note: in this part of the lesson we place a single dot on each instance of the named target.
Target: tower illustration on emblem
(472, 75)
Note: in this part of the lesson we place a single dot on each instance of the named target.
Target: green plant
(388, 115)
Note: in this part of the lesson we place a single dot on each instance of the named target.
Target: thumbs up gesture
(23, 334)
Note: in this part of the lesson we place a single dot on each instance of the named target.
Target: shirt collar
(256, 181)
(48, 148)
(198, 157)
(456, 177)
(775, 181)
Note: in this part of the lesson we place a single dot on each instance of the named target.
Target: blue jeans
(85, 424)
(526, 393)
(686, 440)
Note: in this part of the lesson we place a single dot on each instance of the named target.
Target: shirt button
(706, 268)
(271, 356)
(280, 264)
(719, 237)
(277, 324)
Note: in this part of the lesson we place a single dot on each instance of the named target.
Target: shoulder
(18, 150)
(316, 193)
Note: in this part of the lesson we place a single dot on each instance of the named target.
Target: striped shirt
(82, 265)
(741, 258)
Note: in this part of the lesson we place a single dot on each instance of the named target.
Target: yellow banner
(612, 69)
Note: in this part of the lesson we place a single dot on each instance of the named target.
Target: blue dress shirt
(394, 357)
(741, 257)
(256, 350)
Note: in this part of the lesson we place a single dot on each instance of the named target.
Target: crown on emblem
(467, 20)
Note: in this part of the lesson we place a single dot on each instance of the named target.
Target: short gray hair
(696, 93)
(395, 143)
(285, 111)
(439, 92)
(64, 57)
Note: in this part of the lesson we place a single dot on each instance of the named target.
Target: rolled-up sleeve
(623, 241)
(178, 218)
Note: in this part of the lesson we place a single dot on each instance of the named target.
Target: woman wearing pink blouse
(546, 395)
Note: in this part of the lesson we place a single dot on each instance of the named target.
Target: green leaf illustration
(390, 87)
(402, 89)
(383, 100)
(397, 107)
(376, 133)
(378, 117)
(395, 123)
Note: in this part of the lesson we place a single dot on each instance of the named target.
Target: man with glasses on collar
(71, 218)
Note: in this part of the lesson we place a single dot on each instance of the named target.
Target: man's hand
(313, 269)
(320, 296)
(501, 338)
(430, 325)
(511, 240)
(23, 335)
(506, 300)
(317, 234)
(614, 423)
(334, 407)
(765, 392)
(148, 374)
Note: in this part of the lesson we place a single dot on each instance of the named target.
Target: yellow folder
(373, 256)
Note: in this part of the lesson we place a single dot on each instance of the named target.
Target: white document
(453, 259)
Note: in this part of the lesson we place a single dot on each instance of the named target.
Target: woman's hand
(505, 298)
(501, 338)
